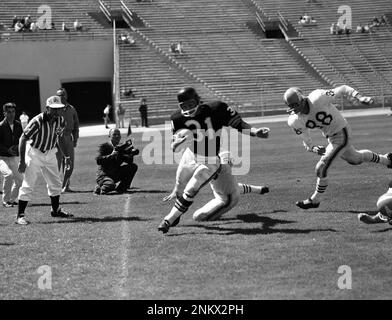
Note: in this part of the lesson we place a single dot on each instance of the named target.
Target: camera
(126, 148)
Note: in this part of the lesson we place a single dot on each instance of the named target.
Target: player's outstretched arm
(350, 94)
(246, 128)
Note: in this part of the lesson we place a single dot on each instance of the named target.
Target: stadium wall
(55, 62)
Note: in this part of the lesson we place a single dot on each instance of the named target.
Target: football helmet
(295, 100)
(188, 101)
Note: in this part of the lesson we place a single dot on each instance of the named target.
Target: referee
(40, 155)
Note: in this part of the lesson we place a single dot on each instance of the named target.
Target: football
(384, 204)
(177, 145)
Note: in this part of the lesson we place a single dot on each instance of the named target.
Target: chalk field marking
(123, 286)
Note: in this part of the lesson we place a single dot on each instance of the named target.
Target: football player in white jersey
(225, 188)
(317, 110)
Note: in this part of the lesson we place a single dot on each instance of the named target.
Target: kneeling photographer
(115, 164)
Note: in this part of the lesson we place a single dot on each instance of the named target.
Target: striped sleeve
(235, 121)
(31, 129)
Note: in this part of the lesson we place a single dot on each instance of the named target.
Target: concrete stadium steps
(222, 51)
(360, 60)
(62, 10)
(150, 75)
(325, 13)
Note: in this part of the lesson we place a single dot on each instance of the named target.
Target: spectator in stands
(33, 26)
(64, 27)
(77, 25)
(359, 29)
(375, 22)
(120, 116)
(366, 28)
(52, 26)
(383, 20)
(346, 30)
(172, 48)
(143, 112)
(128, 93)
(180, 48)
(18, 27)
(14, 21)
(27, 22)
(333, 29)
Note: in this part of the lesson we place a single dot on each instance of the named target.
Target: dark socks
(55, 203)
(21, 208)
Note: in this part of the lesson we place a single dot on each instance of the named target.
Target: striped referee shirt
(43, 133)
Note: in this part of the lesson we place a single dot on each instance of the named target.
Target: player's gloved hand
(177, 141)
(262, 133)
(320, 150)
(170, 196)
(366, 100)
(22, 167)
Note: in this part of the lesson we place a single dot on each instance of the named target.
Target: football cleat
(307, 204)
(264, 190)
(164, 226)
(370, 219)
(61, 214)
(97, 190)
(8, 204)
(176, 222)
(22, 221)
(389, 156)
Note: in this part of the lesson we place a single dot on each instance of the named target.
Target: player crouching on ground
(206, 121)
(40, 156)
(115, 164)
(225, 188)
(317, 110)
(384, 205)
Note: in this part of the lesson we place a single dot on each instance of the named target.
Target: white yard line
(122, 289)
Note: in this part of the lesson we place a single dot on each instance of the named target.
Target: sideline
(99, 130)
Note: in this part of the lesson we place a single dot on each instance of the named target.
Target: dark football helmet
(295, 100)
(188, 101)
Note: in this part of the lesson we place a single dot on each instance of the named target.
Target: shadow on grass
(94, 220)
(78, 191)
(6, 244)
(49, 205)
(384, 230)
(267, 228)
(369, 212)
(133, 191)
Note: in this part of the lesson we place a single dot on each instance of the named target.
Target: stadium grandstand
(244, 52)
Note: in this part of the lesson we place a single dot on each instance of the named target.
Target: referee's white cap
(54, 102)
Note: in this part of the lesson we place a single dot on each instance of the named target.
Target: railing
(116, 73)
(283, 21)
(105, 11)
(53, 35)
(260, 21)
(128, 13)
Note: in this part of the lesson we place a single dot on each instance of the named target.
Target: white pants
(226, 196)
(12, 178)
(224, 187)
(46, 163)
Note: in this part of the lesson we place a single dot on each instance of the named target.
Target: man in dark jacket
(10, 132)
(115, 164)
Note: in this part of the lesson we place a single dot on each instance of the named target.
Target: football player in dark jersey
(205, 120)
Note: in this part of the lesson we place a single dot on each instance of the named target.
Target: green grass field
(265, 248)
